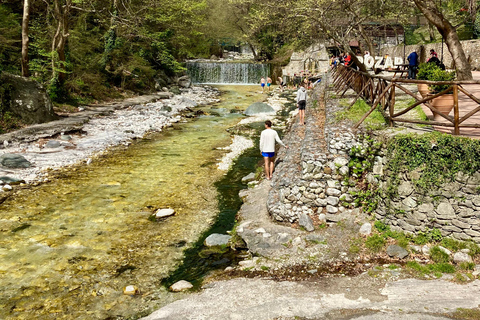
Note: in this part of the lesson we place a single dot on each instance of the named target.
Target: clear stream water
(69, 247)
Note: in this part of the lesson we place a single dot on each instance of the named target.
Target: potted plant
(425, 72)
(445, 102)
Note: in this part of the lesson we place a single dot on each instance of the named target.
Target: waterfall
(227, 72)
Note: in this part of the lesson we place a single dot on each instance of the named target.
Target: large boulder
(259, 108)
(26, 99)
(184, 82)
(10, 160)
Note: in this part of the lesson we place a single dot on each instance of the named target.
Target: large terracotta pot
(423, 89)
(444, 104)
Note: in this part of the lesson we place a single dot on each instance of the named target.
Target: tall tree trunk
(448, 32)
(61, 12)
(110, 37)
(367, 39)
(25, 40)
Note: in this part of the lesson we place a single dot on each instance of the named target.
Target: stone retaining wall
(454, 209)
(321, 185)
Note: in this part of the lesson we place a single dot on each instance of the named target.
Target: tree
(25, 40)
(433, 14)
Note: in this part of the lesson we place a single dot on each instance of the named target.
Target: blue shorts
(268, 84)
(263, 84)
(268, 154)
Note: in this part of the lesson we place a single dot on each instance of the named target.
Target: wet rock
(216, 239)
(52, 144)
(10, 180)
(10, 160)
(397, 251)
(366, 229)
(131, 290)
(259, 108)
(249, 177)
(184, 82)
(305, 221)
(181, 285)
(7, 187)
(163, 213)
(460, 257)
(65, 137)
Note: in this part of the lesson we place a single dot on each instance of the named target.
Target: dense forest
(98, 49)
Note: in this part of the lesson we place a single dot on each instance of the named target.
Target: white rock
(322, 217)
(366, 229)
(131, 290)
(460, 257)
(181, 286)
(7, 187)
(162, 213)
(260, 230)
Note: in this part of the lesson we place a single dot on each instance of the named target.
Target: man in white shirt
(267, 147)
(301, 103)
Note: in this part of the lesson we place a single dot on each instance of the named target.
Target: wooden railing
(378, 90)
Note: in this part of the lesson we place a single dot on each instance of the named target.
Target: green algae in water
(93, 222)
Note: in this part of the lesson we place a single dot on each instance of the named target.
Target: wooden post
(456, 115)
(392, 105)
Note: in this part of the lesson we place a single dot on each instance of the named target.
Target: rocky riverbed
(120, 126)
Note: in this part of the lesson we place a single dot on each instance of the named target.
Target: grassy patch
(437, 268)
(375, 243)
(437, 255)
(374, 121)
(467, 314)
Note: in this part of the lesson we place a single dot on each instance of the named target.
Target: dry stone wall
(318, 183)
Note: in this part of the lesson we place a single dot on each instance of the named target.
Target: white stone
(426, 250)
(162, 213)
(216, 239)
(366, 229)
(460, 257)
(332, 209)
(445, 250)
(333, 192)
(181, 286)
(131, 290)
(7, 187)
(322, 217)
(260, 230)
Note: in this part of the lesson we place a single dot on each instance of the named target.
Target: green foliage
(426, 71)
(423, 237)
(441, 75)
(375, 242)
(374, 121)
(430, 268)
(10, 37)
(437, 255)
(467, 266)
(438, 156)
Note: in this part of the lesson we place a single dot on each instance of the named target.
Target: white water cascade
(227, 72)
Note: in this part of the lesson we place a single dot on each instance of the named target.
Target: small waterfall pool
(227, 72)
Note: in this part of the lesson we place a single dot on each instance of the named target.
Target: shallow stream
(69, 247)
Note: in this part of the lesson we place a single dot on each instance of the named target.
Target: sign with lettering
(380, 62)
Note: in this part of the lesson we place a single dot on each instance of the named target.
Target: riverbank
(82, 136)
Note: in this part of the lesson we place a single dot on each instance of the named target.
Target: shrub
(440, 75)
(375, 243)
(425, 71)
(438, 255)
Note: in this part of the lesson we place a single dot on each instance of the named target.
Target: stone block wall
(321, 186)
(454, 209)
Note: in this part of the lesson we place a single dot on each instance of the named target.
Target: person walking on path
(412, 65)
(262, 83)
(267, 147)
(301, 103)
(269, 83)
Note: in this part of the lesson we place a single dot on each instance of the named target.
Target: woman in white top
(267, 147)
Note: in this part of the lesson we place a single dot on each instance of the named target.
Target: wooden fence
(380, 91)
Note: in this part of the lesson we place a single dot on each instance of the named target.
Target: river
(70, 246)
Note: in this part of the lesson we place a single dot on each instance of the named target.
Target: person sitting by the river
(269, 83)
(267, 147)
(262, 83)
